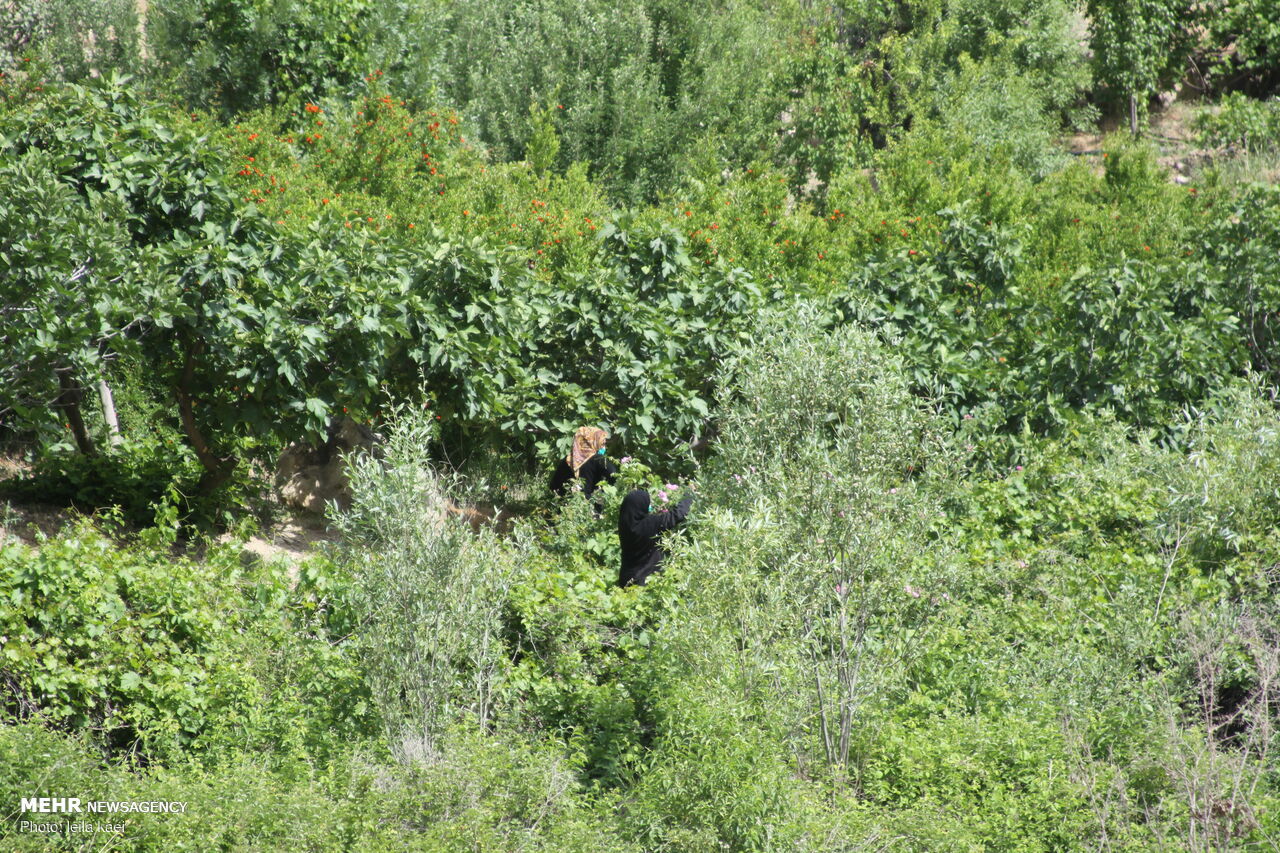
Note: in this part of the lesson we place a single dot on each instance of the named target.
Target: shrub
(133, 478)
(427, 595)
(497, 794)
(138, 651)
(246, 55)
(634, 86)
(1248, 124)
(486, 795)
(1138, 45)
(247, 801)
(714, 778)
(1220, 497)
(823, 494)
(74, 38)
(951, 303)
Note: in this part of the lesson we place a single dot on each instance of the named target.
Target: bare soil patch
(29, 523)
(292, 540)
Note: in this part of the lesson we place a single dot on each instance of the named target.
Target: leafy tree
(254, 334)
(640, 89)
(65, 298)
(1137, 44)
(645, 329)
(267, 335)
(74, 38)
(1244, 34)
(243, 55)
(1139, 337)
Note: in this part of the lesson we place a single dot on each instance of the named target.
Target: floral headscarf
(587, 441)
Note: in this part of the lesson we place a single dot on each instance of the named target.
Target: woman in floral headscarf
(585, 462)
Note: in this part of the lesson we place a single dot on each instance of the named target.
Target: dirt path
(1172, 131)
(292, 540)
(28, 523)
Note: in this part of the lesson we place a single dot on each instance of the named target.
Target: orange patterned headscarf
(587, 441)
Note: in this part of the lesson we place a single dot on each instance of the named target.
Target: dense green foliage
(982, 436)
(1243, 122)
(1139, 45)
(139, 650)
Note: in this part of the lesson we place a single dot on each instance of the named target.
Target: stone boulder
(311, 478)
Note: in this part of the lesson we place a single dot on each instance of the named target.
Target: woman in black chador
(638, 531)
(585, 462)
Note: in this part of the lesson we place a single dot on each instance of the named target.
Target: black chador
(639, 531)
(594, 471)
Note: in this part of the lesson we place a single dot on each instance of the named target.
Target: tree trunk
(1133, 114)
(109, 412)
(141, 8)
(217, 469)
(69, 396)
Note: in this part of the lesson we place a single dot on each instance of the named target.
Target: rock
(311, 478)
(314, 478)
(477, 516)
